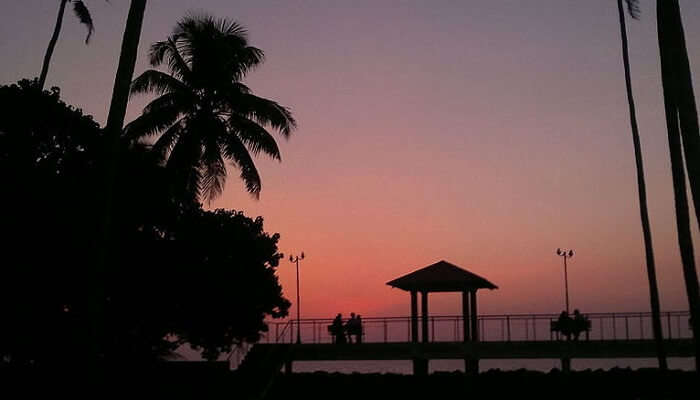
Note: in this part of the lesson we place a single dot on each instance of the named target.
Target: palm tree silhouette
(633, 8)
(682, 128)
(83, 14)
(204, 111)
(113, 129)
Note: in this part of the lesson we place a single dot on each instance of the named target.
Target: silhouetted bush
(174, 274)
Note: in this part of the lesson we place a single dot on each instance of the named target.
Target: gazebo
(442, 277)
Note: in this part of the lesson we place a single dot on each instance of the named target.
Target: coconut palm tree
(113, 129)
(83, 14)
(676, 49)
(633, 9)
(204, 111)
(681, 125)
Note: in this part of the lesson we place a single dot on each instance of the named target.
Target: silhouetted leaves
(83, 14)
(214, 115)
(180, 274)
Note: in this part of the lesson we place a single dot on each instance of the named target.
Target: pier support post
(420, 366)
(566, 364)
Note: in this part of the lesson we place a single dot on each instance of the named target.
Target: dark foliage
(179, 274)
(204, 114)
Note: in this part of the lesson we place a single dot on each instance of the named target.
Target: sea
(544, 365)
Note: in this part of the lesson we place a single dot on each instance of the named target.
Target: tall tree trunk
(52, 44)
(115, 122)
(643, 210)
(671, 89)
(685, 98)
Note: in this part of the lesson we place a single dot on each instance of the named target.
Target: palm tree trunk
(643, 210)
(115, 122)
(685, 98)
(52, 44)
(671, 92)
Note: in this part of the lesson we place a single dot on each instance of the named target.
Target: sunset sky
(486, 133)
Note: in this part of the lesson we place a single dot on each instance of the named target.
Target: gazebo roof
(441, 277)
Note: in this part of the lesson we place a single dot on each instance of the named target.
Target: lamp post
(566, 254)
(295, 259)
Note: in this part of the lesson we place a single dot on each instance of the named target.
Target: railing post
(641, 326)
(534, 328)
(432, 328)
(313, 325)
(668, 318)
(503, 330)
(480, 322)
(627, 328)
(385, 331)
(527, 329)
(602, 328)
(614, 328)
(508, 325)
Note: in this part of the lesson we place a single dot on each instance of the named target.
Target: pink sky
(486, 133)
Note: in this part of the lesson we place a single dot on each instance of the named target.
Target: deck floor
(487, 350)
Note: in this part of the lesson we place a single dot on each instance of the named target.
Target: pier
(470, 337)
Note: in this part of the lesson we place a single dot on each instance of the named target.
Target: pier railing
(508, 327)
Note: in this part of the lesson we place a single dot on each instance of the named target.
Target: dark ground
(188, 382)
(493, 384)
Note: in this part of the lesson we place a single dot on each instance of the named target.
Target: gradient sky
(486, 133)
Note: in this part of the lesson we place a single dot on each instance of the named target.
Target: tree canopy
(204, 114)
(180, 274)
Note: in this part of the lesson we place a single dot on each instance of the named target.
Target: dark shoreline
(616, 383)
(203, 381)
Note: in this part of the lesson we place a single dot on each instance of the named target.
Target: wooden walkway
(485, 350)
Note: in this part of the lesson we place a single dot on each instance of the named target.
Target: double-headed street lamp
(566, 254)
(295, 259)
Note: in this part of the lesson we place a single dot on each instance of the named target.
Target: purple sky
(487, 133)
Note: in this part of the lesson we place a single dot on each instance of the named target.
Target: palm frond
(153, 81)
(170, 52)
(83, 14)
(237, 152)
(158, 115)
(255, 137)
(244, 60)
(264, 111)
(213, 170)
(633, 8)
(183, 163)
(207, 43)
(165, 143)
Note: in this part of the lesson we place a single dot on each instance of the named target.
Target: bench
(570, 327)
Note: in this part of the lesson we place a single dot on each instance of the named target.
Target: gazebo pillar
(474, 363)
(466, 337)
(465, 317)
(414, 316)
(475, 326)
(424, 313)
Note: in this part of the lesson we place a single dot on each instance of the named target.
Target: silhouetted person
(351, 327)
(359, 329)
(579, 324)
(336, 329)
(564, 324)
